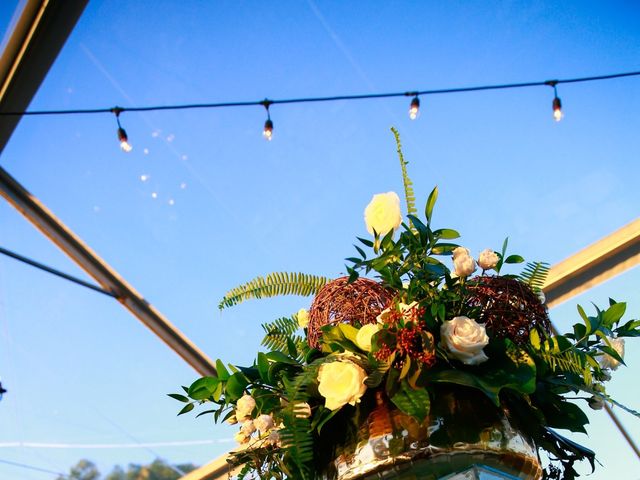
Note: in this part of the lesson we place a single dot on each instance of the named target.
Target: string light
(2, 391)
(268, 125)
(414, 108)
(267, 132)
(556, 105)
(122, 134)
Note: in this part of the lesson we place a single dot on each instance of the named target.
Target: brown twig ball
(339, 301)
(507, 307)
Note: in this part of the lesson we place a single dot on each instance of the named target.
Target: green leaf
(366, 242)
(514, 259)
(177, 396)
(508, 367)
(221, 370)
(412, 402)
(431, 201)
(204, 384)
(446, 233)
(187, 408)
(236, 386)
(613, 314)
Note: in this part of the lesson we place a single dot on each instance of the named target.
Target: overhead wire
(334, 98)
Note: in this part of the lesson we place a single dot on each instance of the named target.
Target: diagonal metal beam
(35, 42)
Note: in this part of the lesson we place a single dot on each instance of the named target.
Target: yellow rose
(341, 383)
(383, 213)
(303, 318)
(363, 339)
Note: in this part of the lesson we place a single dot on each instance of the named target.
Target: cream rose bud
(464, 338)
(607, 361)
(264, 423)
(248, 427)
(488, 259)
(303, 318)
(241, 438)
(245, 407)
(274, 438)
(340, 383)
(464, 265)
(302, 410)
(461, 251)
(363, 339)
(383, 213)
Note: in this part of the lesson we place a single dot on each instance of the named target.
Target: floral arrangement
(434, 317)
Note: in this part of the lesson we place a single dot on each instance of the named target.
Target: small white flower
(607, 361)
(488, 259)
(274, 438)
(303, 318)
(245, 407)
(542, 297)
(248, 427)
(264, 423)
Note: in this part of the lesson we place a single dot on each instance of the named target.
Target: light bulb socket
(415, 103)
(557, 104)
(122, 135)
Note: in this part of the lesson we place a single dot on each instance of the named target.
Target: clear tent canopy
(203, 203)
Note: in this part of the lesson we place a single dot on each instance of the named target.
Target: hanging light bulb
(267, 132)
(124, 140)
(557, 104)
(557, 109)
(122, 134)
(414, 108)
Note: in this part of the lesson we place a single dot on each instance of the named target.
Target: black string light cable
(53, 271)
(266, 103)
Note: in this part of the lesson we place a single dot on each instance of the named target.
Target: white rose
(264, 423)
(245, 407)
(465, 339)
(383, 213)
(302, 410)
(248, 427)
(607, 361)
(241, 438)
(340, 383)
(488, 259)
(464, 265)
(363, 339)
(303, 318)
(461, 251)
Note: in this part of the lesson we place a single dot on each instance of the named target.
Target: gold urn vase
(465, 437)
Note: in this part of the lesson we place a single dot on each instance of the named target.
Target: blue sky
(230, 206)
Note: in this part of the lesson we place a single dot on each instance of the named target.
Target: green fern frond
(297, 436)
(274, 284)
(409, 195)
(568, 362)
(534, 275)
(279, 333)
